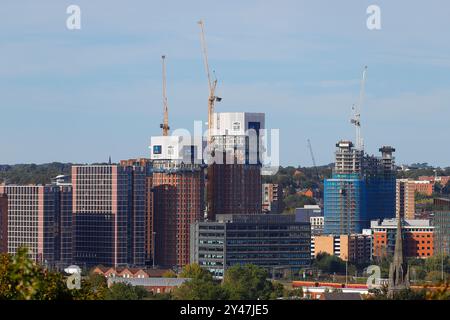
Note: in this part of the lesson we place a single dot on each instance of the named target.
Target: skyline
(96, 92)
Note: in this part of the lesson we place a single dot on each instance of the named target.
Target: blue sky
(80, 96)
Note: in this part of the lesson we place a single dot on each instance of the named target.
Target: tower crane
(165, 125)
(212, 84)
(313, 159)
(356, 109)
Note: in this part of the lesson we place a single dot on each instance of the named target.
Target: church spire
(398, 270)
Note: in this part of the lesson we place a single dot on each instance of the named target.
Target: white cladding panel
(175, 148)
(236, 123)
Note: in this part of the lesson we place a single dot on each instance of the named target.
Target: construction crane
(313, 159)
(212, 84)
(356, 110)
(165, 125)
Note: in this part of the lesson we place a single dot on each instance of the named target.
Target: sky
(83, 95)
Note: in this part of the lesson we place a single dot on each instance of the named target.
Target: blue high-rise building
(362, 188)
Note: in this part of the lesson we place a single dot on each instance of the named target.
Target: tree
(329, 263)
(201, 285)
(22, 279)
(125, 291)
(93, 287)
(247, 282)
(169, 274)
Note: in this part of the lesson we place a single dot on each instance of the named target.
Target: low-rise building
(355, 248)
(424, 187)
(418, 238)
(154, 285)
(275, 242)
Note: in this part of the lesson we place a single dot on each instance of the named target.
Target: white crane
(356, 110)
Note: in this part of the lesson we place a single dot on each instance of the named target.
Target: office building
(424, 187)
(362, 188)
(234, 167)
(405, 199)
(109, 215)
(418, 238)
(178, 197)
(3, 223)
(272, 198)
(272, 241)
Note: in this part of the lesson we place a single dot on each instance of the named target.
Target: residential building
(418, 238)
(234, 166)
(154, 285)
(272, 241)
(33, 213)
(362, 188)
(312, 214)
(405, 198)
(178, 197)
(272, 198)
(442, 225)
(3, 223)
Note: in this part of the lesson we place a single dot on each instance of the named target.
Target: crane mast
(313, 159)
(165, 125)
(212, 84)
(356, 118)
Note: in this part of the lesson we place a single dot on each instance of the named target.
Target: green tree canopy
(201, 285)
(248, 282)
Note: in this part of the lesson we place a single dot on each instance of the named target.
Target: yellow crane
(212, 84)
(165, 125)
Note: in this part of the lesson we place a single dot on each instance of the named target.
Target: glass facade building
(271, 241)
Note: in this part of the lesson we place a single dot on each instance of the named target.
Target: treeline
(32, 173)
(23, 279)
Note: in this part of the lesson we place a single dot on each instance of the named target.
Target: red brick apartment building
(418, 238)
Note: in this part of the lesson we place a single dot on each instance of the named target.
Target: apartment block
(33, 213)
(405, 199)
(362, 188)
(3, 223)
(177, 185)
(109, 215)
(234, 166)
(272, 198)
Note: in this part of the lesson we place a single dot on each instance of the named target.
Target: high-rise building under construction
(178, 197)
(362, 188)
(234, 168)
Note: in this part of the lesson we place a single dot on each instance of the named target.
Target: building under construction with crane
(233, 155)
(177, 191)
(362, 187)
